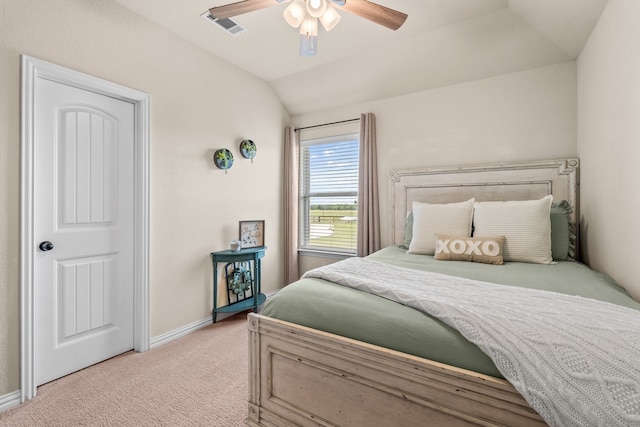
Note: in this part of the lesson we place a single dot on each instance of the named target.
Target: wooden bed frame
(305, 377)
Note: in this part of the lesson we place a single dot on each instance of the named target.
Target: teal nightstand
(242, 271)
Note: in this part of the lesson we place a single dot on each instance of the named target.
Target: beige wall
(529, 115)
(609, 143)
(198, 104)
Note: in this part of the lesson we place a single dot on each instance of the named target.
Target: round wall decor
(248, 149)
(223, 159)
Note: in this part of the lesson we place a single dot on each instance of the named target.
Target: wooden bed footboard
(304, 377)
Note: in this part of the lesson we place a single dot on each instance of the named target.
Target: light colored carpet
(197, 380)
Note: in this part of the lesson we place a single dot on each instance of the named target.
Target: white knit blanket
(575, 360)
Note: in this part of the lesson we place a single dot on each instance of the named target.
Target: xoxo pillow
(487, 249)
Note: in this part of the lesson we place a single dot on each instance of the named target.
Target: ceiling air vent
(227, 25)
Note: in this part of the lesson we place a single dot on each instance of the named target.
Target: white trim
(9, 400)
(271, 294)
(32, 69)
(192, 327)
(325, 254)
(180, 332)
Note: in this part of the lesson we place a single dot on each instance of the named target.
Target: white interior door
(84, 207)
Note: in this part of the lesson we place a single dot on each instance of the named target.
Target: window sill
(325, 254)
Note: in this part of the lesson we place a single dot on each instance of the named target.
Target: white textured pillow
(525, 225)
(431, 219)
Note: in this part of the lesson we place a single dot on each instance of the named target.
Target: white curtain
(368, 206)
(291, 165)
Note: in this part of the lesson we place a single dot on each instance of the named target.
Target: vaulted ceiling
(443, 42)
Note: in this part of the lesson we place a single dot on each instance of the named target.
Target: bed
(325, 354)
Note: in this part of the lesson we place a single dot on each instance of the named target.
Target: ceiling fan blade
(374, 12)
(245, 6)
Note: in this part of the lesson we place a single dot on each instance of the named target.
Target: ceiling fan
(304, 14)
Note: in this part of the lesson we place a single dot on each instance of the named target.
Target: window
(329, 194)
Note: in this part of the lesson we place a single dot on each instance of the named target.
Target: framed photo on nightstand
(252, 234)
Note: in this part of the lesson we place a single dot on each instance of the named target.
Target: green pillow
(408, 231)
(562, 237)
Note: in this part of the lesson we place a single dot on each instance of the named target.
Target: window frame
(305, 196)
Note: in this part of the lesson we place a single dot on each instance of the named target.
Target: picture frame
(251, 234)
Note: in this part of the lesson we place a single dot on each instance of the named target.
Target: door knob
(46, 246)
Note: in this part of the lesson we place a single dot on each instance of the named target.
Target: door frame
(32, 69)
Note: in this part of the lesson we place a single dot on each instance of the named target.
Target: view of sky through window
(333, 168)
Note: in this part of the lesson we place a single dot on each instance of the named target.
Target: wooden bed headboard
(499, 182)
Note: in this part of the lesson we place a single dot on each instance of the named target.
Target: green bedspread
(347, 312)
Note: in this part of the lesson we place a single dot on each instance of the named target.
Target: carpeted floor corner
(197, 380)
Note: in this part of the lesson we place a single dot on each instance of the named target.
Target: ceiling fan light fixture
(295, 13)
(330, 18)
(305, 14)
(316, 8)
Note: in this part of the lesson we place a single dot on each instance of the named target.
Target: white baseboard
(9, 400)
(272, 293)
(184, 330)
(180, 332)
